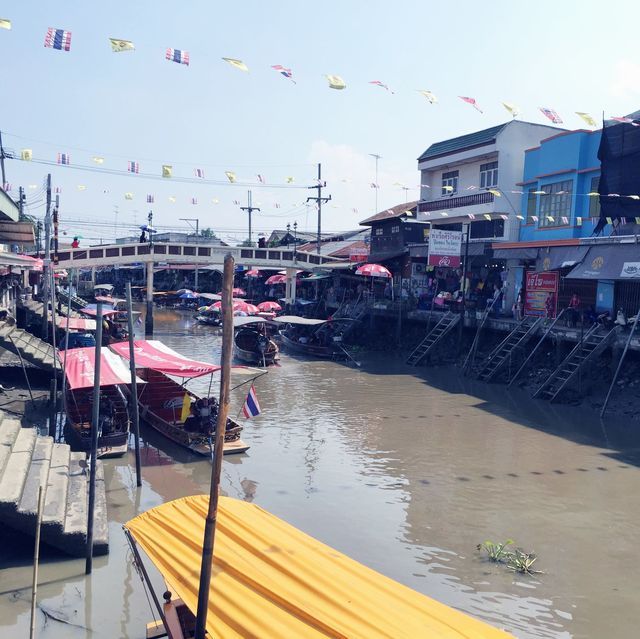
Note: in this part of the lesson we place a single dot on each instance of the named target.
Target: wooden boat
(251, 344)
(114, 419)
(161, 398)
(314, 337)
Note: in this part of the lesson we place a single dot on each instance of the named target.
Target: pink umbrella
(245, 307)
(253, 273)
(277, 279)
(266, 307)
(373, 270)
(238, 292)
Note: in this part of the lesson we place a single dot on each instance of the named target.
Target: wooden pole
(95, 418)
(216, 467)
(134, 386)
(36, 559)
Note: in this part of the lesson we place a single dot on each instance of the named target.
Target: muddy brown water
(406, 470)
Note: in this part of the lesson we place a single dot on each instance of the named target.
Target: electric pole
(250, 209)
(4, 177)
(21, 202)
(55, 231)
(46, 269)
(197, 221)
(319, 200)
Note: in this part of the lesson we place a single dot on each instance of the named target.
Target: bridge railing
(181, 252)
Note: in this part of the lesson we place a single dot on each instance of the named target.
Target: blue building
(558, 176)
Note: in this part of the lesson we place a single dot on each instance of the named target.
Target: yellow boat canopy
(269, 580)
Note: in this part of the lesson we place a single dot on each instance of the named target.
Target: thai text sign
(444, 248)
(539, 286)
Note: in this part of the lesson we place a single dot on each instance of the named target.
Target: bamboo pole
(95, 419)
(134, 386)
(216, 467)
(36, 560)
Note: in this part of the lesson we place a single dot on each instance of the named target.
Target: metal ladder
(446, 323)
(519, 336)
(592, 344)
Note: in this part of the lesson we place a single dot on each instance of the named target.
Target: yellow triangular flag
(128, 196)
(238, 64)
(512, 108)
(186, 408)
(609, 220)
(638, 220)
(427, 94)
(82, 187)
(336, 82)
(26, 155)
(231, 176)
(98, 160)
(172, 199)
(5, 24)
(121, 45)
(587, 118)
(578, 221)
(289, 179)
(167, 170)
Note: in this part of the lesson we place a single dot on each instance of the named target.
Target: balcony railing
(447, 203)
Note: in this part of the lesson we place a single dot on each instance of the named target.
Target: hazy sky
(570, 56)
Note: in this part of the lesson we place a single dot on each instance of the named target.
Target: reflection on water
(406, 471)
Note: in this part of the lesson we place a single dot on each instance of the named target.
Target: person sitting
(76, 243)
(143, 237)
(192, 423)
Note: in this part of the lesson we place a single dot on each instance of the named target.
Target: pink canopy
(245, 307)
(38, 263)
(269, 306)
(277, 279)
(80, 368)
(158, 357)
(76, 323)
(93, 312)
(253, 273)
(106, 299)
(238, 292)
(373, 270)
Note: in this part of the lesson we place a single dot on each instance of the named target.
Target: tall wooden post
(216, 467)
(148, 320)
(134, 386)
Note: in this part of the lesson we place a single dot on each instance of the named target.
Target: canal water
(404, 469)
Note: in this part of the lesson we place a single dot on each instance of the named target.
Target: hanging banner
(541, 297)
(444, 248)
(359, 255)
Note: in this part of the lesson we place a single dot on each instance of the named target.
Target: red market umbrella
(373, 270)
(267, 307)
(245, 307)
(277, 279)
(253, 273)
(238, 292)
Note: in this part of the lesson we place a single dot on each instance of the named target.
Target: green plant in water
(497, 552)
(520, 561)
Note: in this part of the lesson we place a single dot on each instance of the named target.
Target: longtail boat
(272, 580)
(113, 435)
(169, 407)
(251, 344)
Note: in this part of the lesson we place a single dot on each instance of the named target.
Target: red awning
(93, 312)
(158, 357)
(76, 323)
(80, 368)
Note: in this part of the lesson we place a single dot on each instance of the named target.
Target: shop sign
(359, 256)
(444, 248)
(630, 269)
(538, 288)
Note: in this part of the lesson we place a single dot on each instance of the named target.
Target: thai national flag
(58, 39)
(63, 158)
(133, 167)
(177, 55)
(251, 406)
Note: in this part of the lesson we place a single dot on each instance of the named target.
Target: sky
(138, 106)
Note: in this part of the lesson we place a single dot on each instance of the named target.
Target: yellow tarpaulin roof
(272, 580)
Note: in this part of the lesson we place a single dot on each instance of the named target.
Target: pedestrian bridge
(184, 253)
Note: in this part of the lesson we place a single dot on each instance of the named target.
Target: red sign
(541, 294)
(444, 261)
(358, 257)
(444, 248)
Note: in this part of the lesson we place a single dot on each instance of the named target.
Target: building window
(395, 229)
(555, 204)
(532, 205)
(450, 183)
(594, 201)
(488, 175)
(378, 231)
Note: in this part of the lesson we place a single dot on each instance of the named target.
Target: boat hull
(312, 350)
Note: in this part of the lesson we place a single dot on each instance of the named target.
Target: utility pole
(46, 270)
(319, 200)
(55, 231)
(250, 209)
(21, 201)
(197, 221)
(4, 177)
(377, 158)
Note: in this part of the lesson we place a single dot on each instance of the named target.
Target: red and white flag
(470, 101)
(251, 406)
(551, 114)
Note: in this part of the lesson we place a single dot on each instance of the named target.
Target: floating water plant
(497, 552)
(520, 561)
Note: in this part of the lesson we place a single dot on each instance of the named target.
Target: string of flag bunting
(60, 39)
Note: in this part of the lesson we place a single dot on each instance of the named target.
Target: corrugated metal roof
(18, 232)
(395, 211)
(462, 142)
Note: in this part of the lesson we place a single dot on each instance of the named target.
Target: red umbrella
(238, 292)
(373, 270)
(245, 307)
(253, 273)
(266, 307)
(277, 279)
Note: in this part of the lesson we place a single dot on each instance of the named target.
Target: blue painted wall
(567, 156)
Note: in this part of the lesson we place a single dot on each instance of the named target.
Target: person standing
(574, 305)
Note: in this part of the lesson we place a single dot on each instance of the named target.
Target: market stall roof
(555, 257)
(210, 296)
(157, 356)
(272, 580)
(80, 368)
(521, 253)
(108, 287)
(294, 319)
(91, 310)
(609, 262)
(245, 321)
(76, 323)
